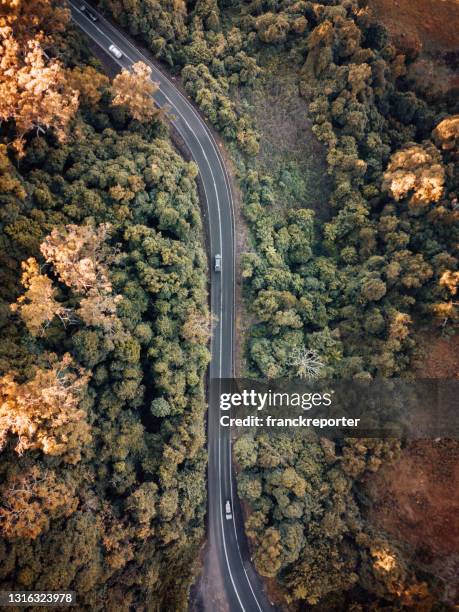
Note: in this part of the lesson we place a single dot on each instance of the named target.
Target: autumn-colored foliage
(31, 499)
(79, 256)
(38, 305)
(39, 19)
(34, 92)
(89, 82)
(44, 412)
(446, 134)
(197, 328)
(417, 171)
(135, 90)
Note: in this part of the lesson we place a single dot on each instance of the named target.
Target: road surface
(226, 538)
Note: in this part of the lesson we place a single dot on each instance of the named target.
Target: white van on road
(228, 513)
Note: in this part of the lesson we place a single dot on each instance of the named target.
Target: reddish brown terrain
(416, 499)
(439, 357)
(427, 32)
(433, 23)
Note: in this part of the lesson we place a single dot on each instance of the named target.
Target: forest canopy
(102, 407)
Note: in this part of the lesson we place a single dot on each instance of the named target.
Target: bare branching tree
(306, 362)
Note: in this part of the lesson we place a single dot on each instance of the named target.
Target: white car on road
(115, 51)
(218, 263)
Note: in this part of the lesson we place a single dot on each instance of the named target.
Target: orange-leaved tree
(34, 92)
(80, 256)
(134, 90)
(30, 499)
(44, 412)
(89, 82)
(33, 19)
(417, 172)
(38, 305)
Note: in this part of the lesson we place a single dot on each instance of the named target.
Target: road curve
(226, 538)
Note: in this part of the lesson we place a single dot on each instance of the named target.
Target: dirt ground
(438, 356)
(434, 23)
(416, 499)
(427, 32)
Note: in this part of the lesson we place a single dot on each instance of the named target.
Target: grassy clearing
(289, 151)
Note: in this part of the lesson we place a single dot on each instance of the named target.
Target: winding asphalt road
(226, 539)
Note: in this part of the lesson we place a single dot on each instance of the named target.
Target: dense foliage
(384, 261)
(211, 63)
(102, 469)
(378, 264)
(307, 525)
(353, 289)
